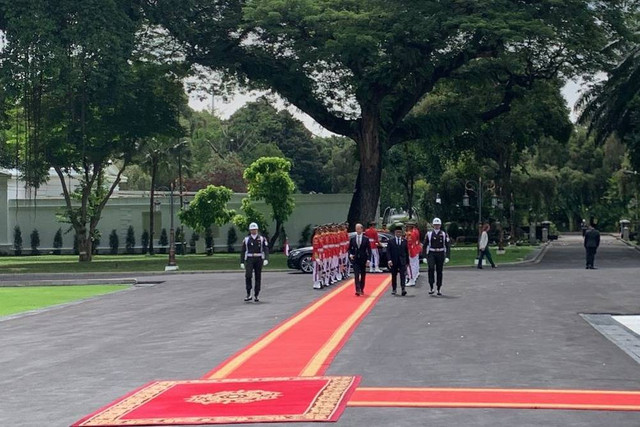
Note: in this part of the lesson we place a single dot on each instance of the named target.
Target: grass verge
(15, 300)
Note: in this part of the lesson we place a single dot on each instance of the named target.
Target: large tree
(85, 98)
(358, 68)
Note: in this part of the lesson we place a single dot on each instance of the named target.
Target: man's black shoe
(404, 293)
(594, 268)
(256, 299)
(439, 293)
(431, 292)
(393, 292)
(248, 298)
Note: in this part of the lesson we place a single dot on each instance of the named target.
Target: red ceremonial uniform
(374, 239)
(413, 239)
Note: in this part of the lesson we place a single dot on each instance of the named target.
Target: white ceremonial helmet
(436, 221)
(253, 226)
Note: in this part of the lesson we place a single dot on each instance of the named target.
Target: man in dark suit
(398, 255)
(359, 255)
(591, 243)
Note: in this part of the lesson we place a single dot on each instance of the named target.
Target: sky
(225, 108)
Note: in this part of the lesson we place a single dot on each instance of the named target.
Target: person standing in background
(483, 245)
(591, 244)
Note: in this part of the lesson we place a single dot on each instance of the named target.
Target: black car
(300, 259)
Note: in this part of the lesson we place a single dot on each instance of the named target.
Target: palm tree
(155, 156)
(613, 106)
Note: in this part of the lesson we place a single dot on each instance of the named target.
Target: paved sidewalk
(514, 327)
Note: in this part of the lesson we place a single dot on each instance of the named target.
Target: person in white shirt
(483, 245)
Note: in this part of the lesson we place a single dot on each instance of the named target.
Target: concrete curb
(70, 282)
(631, 245)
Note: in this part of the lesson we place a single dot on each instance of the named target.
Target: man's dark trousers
(359, 273)
(591, 255)
(252, 264)
(395, 269)
(436, 262)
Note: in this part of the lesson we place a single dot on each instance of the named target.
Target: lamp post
(478, 187)
(171, 264)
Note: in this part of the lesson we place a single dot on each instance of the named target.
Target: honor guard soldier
(317, 258)
(254, 255)
(438, 249)
(374, 242)
(415, 248)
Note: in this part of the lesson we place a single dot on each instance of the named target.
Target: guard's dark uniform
(254, 251)
(437, 247)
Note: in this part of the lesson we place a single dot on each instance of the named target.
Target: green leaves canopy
(208, 207)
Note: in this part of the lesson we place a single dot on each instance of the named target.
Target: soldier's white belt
(253, 255)
(437, 250)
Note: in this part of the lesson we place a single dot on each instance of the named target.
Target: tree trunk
(275, 236)
(367, 191)
(85, 247)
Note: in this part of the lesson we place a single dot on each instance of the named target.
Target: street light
(171, 265)
(478, 187)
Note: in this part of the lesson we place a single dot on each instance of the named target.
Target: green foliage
(305, 236)
(57, 242)
(251, 214)
(35, 242)
(208, 207)
(163, 241)
(130, 240)
(232, 238)
(144, 241)
(114, 242)
(17, 240)
(269, 180)
(192, 242)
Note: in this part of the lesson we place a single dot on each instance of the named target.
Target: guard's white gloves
(424, 260)
(242, 266)
(446, 260)
(265, 262)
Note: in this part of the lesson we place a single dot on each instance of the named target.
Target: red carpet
(306, 344)
(601, 400)
(228, 402)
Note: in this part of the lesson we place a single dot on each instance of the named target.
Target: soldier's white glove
(242, 266)
(265, 262)
(424, 260)
(446, 260)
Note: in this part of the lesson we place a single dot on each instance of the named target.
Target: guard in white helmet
(437, 251)
(254, 255)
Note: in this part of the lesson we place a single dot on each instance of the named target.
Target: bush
(144, 241)
(192, 242)
(95, 241)
(114, 242)
(35, 242)
(454, 230)
(17, 240)
(57, 242)
(232, 238)
(179, 241)
(163, 242)
(305, 236)
(130, 241)
(208, 241)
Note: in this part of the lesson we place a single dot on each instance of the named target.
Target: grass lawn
(127, 263)
(18, 299)
(466, 255)
(460, 255)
